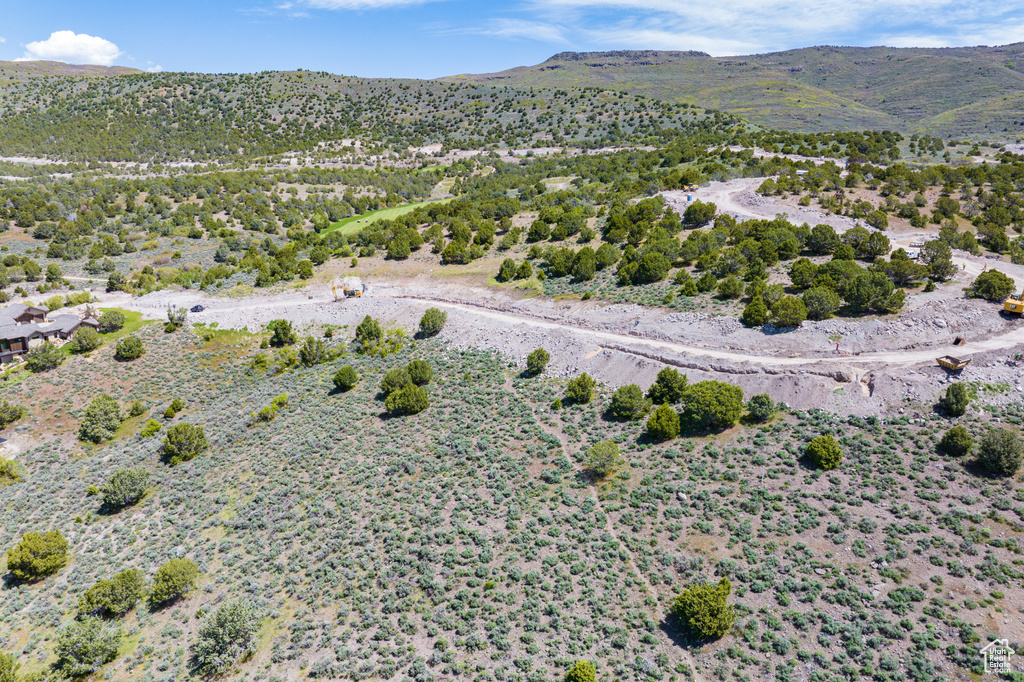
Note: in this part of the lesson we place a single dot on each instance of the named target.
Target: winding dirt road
(738, 197)
(251, 311)
(864, 360)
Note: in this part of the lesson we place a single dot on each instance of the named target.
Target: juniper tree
(173, 580)
(433, 321)
(38, 556)
(537, 361)
(825, 452)
(345, 378)
(101, 420)
(183, 442)
(704, 609)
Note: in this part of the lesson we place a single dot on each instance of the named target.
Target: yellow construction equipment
(341, 293)
(952, 363)
(691, 188)
(1014, 304)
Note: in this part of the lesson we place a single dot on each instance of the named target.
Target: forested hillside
(76, 113)
(200, 117)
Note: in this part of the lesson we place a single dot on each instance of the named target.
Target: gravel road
(881, 362)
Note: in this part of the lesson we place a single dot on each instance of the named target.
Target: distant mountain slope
(202, 117)
(47, 68)
(947, 91)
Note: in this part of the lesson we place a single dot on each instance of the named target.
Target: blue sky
(429, 38)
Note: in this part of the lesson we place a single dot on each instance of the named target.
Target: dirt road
(881, 361)
(740, 199)
(867, 360)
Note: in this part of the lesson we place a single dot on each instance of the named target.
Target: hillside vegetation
(263, 227)
(203, 117)
(269, 485)
(479, 538)
(12, 71)
(976, 91)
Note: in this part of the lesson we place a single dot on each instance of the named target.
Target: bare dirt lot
(739, 199)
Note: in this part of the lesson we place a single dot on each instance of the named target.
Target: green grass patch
(212, 336)
(14, 376)
(530, 287)
(133, 322)
(358, 222)
(130, 426)
(240, 290)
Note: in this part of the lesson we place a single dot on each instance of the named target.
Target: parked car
(197, 309)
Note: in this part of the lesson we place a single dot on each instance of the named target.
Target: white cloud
(722, 27)
(656, 39)
(518, 28)
(287, 8)
(3, 40)
(155, 68)
(914, 40)
(733, 17)
(1000, 33)
(301, 8)
(360, 4)
(74, 48)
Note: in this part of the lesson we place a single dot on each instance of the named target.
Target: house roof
(65, 323)
(12, 311)
(16, 310)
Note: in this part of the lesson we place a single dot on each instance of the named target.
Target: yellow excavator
(1014, 304)
(343, 292)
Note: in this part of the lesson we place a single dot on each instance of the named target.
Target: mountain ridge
(947, 91)
(952, 92)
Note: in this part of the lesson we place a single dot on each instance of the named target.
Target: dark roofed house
(23, 327)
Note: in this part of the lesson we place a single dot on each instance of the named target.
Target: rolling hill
(13, 70)
(201, 117)
(83, 113)
(973, 91)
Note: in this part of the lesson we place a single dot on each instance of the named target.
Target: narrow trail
(687, 655)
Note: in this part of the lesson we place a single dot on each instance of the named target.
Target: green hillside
(202, 117)
(12, 70)
(811, 89)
